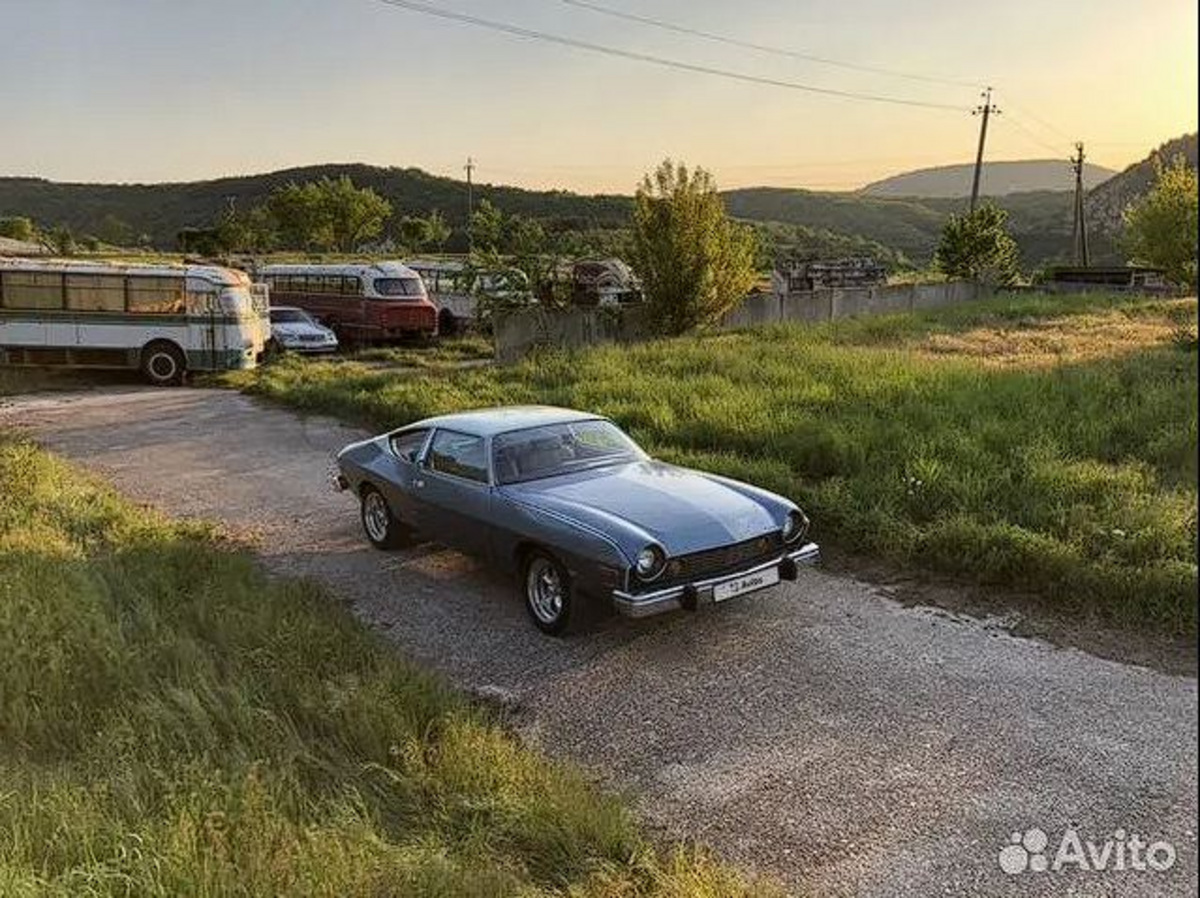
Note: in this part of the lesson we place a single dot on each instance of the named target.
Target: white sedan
(294, 330)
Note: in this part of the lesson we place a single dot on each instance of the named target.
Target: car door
(454, 491)
(404, 478)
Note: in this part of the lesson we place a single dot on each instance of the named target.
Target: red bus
(361, 303)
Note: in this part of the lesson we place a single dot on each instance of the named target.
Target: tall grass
(173, 723)
(1050, 446)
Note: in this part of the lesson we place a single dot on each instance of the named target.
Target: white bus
(164, 320)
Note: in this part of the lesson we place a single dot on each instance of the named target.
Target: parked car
(295, 330)
(572, 505)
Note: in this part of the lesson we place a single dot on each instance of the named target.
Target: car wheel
(163, 364)
(547, 593)
(382, 529)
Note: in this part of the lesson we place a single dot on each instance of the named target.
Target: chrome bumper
(700, 592)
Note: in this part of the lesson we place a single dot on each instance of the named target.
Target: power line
(763, 48)
(1057, 150)
(1049, 126)
(664, 62)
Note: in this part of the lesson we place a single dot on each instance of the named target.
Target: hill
(997, 179)
(159, 211)
(1107, 202)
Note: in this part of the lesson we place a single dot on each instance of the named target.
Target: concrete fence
(517, 333)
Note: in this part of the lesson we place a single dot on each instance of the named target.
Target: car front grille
(721, 560)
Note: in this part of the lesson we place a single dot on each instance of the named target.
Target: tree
(414, 232)
(1161, 227)
(487, 226)
(60, 240)
(694, 262)
(977, 246)
(437, 229)
(18, 227)
(330, 214)
(356, 214)
(115, 232)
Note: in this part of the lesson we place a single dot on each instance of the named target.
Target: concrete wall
(518, 333)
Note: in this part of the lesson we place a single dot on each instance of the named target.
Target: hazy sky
(147, 90)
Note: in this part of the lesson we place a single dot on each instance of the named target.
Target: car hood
(296, 329)
(682, 510)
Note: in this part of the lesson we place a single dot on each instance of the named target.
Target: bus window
(32, 290)
(96, 292)
(399, 287)
(157, 295)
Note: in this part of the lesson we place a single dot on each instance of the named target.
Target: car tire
(163, 364)
(384, 531)
(447, 323)
(547, 590)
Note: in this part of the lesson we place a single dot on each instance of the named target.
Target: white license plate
(747, 583)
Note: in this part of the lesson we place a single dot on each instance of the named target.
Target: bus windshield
(399, 287)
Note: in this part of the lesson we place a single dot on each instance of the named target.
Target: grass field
(1045, 444)
(173, 723)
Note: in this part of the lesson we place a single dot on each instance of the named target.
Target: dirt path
(822, 732)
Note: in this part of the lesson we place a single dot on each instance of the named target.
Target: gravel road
(820, 732)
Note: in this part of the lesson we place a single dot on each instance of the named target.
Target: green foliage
(694, 262)
(1075, 482)
(487, 227)
(437, 230)
(18, 227)
(977, 246)
(61, 241)
(782, 241)
(174, 722)
(422, 234)
(330, 214)
(1161, 228)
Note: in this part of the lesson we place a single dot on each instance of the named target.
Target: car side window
(458, 454)
(408, 445)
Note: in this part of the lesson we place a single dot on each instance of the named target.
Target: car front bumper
(700, 592)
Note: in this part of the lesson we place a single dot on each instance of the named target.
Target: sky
(155, 90)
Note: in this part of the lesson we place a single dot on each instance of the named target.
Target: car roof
(491, 421)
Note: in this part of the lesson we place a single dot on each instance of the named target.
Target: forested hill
(1107, 203)
(1040, 221)
(162, 210)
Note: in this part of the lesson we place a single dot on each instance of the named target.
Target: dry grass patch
(1036, 343)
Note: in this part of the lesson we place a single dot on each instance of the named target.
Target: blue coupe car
(569, 503)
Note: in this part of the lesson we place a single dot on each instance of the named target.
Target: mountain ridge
(999, 178)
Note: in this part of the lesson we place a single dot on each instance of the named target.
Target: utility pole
(985, 110)
(1079, 241)
(470, 168)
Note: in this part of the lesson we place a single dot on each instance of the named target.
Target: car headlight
(650, 563)
(795, 526)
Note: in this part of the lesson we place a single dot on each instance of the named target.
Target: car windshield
(554, 449)
(399, 287)
(290, 316)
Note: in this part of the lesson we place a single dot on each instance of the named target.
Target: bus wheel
(163, 364)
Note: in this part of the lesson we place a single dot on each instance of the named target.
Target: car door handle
(417, 484)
